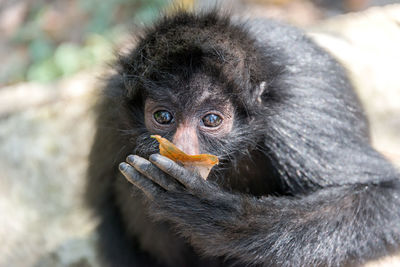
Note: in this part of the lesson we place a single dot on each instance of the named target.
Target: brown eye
(212, 120)
(163, 117)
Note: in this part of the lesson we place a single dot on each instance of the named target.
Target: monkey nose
(186, 139)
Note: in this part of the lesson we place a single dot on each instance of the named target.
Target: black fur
(299, 183)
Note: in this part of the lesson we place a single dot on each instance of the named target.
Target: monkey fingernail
(154, 157)
(123, 166)
(129, 172)
(131, 159)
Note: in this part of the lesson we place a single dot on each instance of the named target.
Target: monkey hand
(177, 194)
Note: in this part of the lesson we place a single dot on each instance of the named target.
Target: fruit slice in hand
(200, 163)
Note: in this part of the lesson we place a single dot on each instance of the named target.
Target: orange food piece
(202, 163)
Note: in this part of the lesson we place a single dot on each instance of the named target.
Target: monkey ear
(259, 91)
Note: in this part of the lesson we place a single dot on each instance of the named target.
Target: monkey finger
(146, 168)
(185, 177)
(135, 178)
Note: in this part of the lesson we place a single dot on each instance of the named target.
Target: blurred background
(54, 56)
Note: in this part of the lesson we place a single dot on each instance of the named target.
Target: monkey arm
(328, 227)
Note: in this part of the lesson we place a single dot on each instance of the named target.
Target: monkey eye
(163, 117)
(212, 120)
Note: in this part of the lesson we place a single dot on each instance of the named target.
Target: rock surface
(45, 136)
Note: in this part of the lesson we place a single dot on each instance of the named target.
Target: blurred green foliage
(84, 36)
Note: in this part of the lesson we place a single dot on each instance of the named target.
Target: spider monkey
(298, 183)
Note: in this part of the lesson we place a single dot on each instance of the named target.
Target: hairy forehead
(197, 90)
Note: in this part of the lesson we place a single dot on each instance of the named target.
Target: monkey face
(191, 113)
(187, 125)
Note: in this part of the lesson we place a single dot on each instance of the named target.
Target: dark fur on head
(189, 52)
(177, 47)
